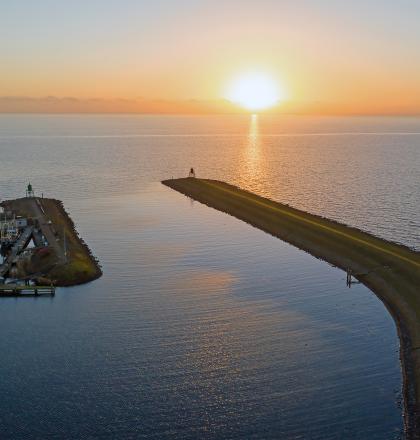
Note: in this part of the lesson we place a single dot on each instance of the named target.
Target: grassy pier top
(68, 261)
(390, 270)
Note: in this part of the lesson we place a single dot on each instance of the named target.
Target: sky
(335, 57)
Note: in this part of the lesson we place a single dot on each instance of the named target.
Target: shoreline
(391, 271)
(88, 252)
(410, 402)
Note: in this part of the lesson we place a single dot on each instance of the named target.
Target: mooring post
(348, 279)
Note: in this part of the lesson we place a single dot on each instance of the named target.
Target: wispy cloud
(52, 104)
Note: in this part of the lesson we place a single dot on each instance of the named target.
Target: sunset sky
(358, 56)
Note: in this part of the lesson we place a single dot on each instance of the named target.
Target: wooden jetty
(19, 290)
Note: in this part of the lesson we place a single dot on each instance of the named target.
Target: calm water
(203, 327)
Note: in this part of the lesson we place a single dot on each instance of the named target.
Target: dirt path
(47, 229)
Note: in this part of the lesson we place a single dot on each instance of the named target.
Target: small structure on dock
(8, 230)
(21, 222)
(351, 278)
(30, 191)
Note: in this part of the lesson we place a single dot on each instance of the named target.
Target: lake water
(203, 327)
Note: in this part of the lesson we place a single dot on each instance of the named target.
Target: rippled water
(203, 327)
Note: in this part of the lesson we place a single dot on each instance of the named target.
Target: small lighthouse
(30, 191)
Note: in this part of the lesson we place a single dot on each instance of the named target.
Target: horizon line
(195, 106)
(232, 113)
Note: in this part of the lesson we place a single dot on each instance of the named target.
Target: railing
(26, 290)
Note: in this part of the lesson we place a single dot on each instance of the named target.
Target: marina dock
(18, 290)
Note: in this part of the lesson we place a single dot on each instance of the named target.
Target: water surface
(203, 327)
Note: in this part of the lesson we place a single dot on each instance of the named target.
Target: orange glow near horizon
(194, 58)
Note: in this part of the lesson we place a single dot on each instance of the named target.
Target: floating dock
(18, 290)
(390, 270)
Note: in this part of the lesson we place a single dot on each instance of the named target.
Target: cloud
(52, 104)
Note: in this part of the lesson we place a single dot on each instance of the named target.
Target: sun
(254, 91)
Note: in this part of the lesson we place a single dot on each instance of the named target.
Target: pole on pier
(349, 275)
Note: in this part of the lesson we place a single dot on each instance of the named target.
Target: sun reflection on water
(252, 152)
(252, 163)
(253, 139)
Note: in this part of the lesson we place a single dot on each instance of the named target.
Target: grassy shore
(80, 265)
(390, 270)
(68, 261)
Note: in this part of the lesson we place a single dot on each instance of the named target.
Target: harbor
(40, 248)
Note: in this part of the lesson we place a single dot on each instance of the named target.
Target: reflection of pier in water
(351, 277)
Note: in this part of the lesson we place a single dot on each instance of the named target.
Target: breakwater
(390, 270)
